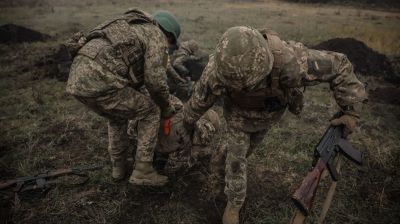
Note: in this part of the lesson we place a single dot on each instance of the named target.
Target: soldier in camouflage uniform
(179, 76)
(259, 75)
(118, 58)
(186, 50)
(182, 147)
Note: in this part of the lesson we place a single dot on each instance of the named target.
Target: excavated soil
(11, 33)
(366, 61)
(386, 95)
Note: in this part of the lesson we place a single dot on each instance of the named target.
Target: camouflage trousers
(239, 145)
(121, 106)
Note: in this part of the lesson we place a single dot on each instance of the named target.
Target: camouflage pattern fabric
(300, 67)
(206, 128)
(121, 106)
(134, 55)
(242, 51)
(178, 75)
(239, 146)
(185, 50)
(118, 58)
(203, 142)
(183, 147)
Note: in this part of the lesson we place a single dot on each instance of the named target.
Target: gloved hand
(168, 112)
(206, 131)
(349, 122)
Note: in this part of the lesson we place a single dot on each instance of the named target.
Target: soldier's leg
(135, 105)
(128, 104)
(255, 140)
(147, 133)
(216, 183)
(118, 144)
(238, 143)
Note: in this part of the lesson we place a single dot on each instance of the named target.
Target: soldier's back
(114, 51)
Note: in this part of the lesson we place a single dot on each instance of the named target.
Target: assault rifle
(331, 144)
(44, 180)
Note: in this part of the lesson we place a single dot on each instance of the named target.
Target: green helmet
(242, 57)
(168, 22)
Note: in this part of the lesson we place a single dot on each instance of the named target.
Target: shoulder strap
(137, 11)
(132, 16)
(138, 16)
(276, 46)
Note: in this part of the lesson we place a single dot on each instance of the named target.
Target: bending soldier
(117, 58)
(258, 75)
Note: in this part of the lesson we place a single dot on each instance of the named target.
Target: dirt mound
(365, 60)
(386, 95)
(11, 33)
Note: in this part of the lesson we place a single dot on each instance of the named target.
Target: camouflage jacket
(206, 131)
(185, 50)
(129, 50)
(176, 69)
(300, 67)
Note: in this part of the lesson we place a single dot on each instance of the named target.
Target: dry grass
(42, 127)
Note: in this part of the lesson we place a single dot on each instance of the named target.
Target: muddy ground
(42, 127)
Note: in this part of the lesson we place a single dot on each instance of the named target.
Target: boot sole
(145, 182)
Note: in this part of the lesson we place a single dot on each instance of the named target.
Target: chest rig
(270, 96)
(116, 45)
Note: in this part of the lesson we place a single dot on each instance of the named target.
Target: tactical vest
(272, 98)
(115, 45)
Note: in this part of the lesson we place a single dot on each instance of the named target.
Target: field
(42, 127)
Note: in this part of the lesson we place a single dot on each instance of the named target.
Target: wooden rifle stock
(304, 196)
(329, 147)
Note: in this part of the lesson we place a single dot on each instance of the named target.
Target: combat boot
(118, 169)
(144, 174)
(231, 214)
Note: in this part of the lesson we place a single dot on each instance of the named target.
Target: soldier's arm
(185, 51)
(205, 93)
(155, 63)
(179, 59)
(171, 73)
(314, 67)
